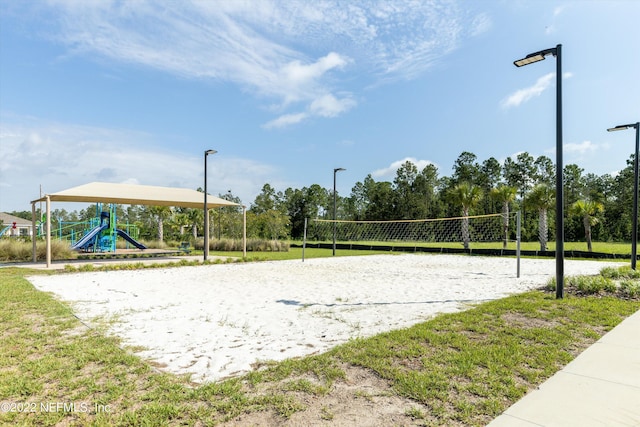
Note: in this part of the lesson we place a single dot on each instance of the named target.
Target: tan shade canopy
(128, 194)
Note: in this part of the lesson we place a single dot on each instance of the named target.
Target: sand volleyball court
(216, 321)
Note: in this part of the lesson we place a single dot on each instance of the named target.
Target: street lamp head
(528, 60)
(623, 127)
(339, 169)
(535, 57)
(210, 152)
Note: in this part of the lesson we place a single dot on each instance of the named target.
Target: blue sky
(286, 91)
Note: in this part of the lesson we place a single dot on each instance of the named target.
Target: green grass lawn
(13, 251)
(296, 253)
(311, 252)
(620, 248)
(456, 369)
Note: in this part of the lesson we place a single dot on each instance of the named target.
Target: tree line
(596, 207)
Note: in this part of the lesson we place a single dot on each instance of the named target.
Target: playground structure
(102, 234)
(127, 194)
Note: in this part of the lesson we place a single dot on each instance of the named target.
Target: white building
(13, 226)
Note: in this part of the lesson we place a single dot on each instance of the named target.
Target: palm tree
(504, 194)
(196, 216)
(467, 195)
(161, 213)
(541, 197)
(588, 211)
(181, 220)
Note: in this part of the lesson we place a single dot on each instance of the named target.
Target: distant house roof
(128, 194)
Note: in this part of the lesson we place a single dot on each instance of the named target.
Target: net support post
(244, 231)
(304, 238)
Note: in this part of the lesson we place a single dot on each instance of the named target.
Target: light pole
(634, 231)
(529, 59)
(335, 171)
(206, 209)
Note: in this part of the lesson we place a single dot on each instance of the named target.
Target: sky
(286, 91)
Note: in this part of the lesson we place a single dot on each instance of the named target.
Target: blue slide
(130, 239)
(87, 239)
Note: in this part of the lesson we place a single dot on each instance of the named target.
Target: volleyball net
(495, 234)
(464, 230)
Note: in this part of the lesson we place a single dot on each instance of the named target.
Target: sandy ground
(216, 321)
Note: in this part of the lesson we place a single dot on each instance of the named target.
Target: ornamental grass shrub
(235, 245)
(622, 282)
(20, 250)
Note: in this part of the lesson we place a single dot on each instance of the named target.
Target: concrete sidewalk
(600, 387)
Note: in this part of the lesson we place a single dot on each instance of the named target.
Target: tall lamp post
(206, 209)
(634, 231)
(529, 59)
(335, 171)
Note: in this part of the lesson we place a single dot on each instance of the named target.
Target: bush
(235, 245)
(611, 272)
(198, 244)
(551, 284)
(10, 250)
(620, 273)
(628, 273)
(630, 289)
(154, 244)
(592, 284)
(258, 245)
(227, 245)
(621, 282)
(20, 250)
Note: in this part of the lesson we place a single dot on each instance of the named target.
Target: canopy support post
(34, 233)
(48, 232)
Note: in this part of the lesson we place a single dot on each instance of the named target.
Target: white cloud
(329, 106)
(558, 10)
(390, 171)
(555, 17)
(287, 51)
(480, 24)
(286, 120)
(323, 106)
(584, 152)
(523, 95)
(596, 157)
(581, 148)
(59, 156)
(299, 73)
